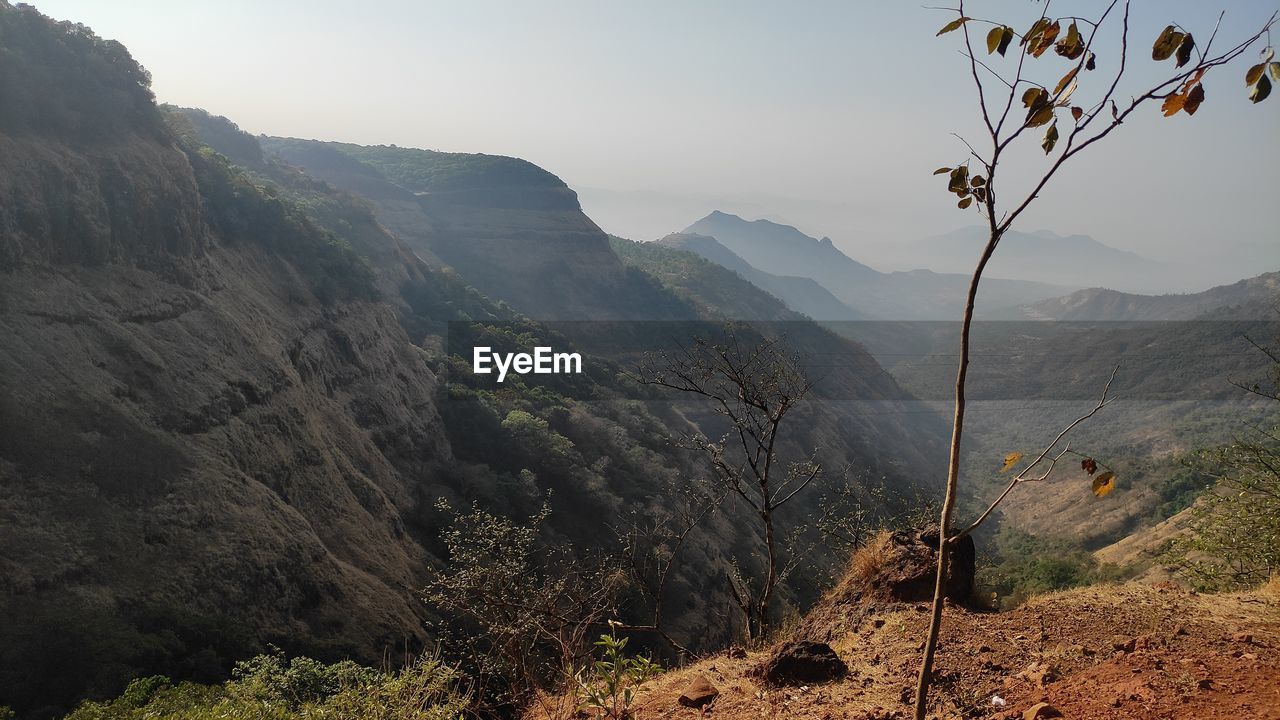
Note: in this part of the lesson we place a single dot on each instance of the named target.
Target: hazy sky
(827, 115)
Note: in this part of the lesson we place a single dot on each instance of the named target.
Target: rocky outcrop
(891, 568)
(802, 662)
(212, 436)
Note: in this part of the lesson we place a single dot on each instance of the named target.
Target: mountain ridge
(802, 294)
(914, 295)
(1249, 298)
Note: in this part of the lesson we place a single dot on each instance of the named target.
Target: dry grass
(1272, 587)
(868, 561)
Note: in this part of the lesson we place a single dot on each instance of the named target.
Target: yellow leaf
(1010, 460)
(993, 39)
(1104, 483)
(953, 25)
(1066, 80)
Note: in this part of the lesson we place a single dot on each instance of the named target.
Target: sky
(830, 116)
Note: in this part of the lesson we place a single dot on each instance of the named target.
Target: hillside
(229, 400)
(914, 295)
(802, 294)
(1252, 298)
(1114, 652)
(512, 230)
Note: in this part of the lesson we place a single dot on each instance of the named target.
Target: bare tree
(754, 389)
(1046, 104)
(652, 546)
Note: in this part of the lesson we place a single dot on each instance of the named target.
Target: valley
(297, 427)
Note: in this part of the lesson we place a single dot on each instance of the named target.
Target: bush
(1233, 542)
(1026, 565)
(271, 687)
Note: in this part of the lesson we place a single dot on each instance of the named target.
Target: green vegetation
(1179, 490)
(434, 171)
(607, 684)
(272, 687)
(1025, 565)
(246, 207)
(1234, 538)
(714, 290)
(103, 94)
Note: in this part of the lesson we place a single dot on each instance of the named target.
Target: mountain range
(234, 411)
(914, 295)
(1251, 298)
(802, 294)
(1041, 256)
(230, 403)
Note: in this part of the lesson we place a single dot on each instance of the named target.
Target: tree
(520, 612)
(1233, 541)
(1046, 105)
(754, 388)
(652, 546)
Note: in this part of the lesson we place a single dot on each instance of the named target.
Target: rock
(1124, 644)
(803, 662)
(1041, 710)
(699, 693)
(910, 568)
(1038, 673)
(1242, 637)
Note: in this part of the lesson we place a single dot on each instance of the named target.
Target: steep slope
(802, 294)
(207, 422)
(510, 228)
(228, 400)
(915, 295)
(1252, 298)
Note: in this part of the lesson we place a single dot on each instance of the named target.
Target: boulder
(801, 663)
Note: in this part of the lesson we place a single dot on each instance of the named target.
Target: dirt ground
(1111, 652)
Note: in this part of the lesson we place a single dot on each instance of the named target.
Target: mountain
(230, 396)
(801, 294)
(1040, 256)
(915, 295)
(513, 230)
(1254, 298)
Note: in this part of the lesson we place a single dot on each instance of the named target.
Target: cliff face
(206, 420)
(513, 230)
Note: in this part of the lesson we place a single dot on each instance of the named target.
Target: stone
(803, 662)
(1041, 710)
(699, 693)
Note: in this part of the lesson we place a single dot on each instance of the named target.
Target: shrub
(607, 685)
(271, 687)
